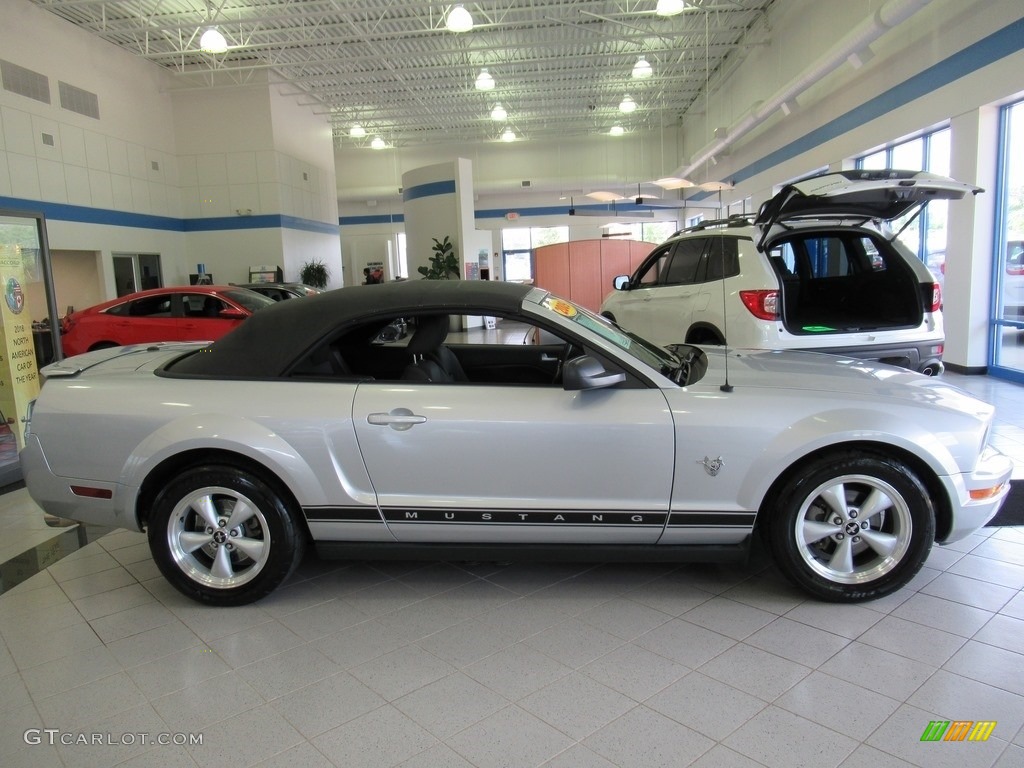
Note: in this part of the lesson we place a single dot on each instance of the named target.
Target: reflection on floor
(506, 664)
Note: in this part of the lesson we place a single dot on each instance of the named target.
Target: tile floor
(405, 664)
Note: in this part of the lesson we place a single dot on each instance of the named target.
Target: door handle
(399, 419)
(545, 358)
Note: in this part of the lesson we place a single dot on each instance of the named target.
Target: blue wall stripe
(988, 50)
(105, 216)
(430, 189)
(384, 218)
(86, 215)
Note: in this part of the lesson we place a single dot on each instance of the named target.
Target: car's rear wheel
(851, 527)
(223, 536)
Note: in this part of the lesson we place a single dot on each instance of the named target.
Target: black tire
(851, 527)
(212, 558)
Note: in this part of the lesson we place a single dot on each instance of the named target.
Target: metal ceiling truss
(561, 66)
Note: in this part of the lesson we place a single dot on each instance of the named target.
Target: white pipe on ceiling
(890, 15)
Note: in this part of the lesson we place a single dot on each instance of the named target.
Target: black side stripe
(596, 518)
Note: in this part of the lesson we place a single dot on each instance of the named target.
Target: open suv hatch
(818, 269)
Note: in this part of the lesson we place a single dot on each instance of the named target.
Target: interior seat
(431, 360)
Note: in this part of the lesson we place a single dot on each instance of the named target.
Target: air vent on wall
(48, 139)
(25, 82)
(526, 184)
(79, 100)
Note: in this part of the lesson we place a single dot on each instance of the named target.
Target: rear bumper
(55, 495)
(923, 357)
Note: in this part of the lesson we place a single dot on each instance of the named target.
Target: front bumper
(989, 483)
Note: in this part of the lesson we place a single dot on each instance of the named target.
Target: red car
(181, 313)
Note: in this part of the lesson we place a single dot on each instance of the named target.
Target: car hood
(836, 375)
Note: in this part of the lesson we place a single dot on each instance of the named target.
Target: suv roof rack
(736, 220)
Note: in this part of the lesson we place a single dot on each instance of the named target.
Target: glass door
(136, 272)
(1008, 293)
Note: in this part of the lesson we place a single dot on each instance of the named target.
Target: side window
(201, 305)
(151, 306)
(685, 261)
(650, 274)
(723, 258)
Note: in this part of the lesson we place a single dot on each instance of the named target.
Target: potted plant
(314, 273)
(443, 264)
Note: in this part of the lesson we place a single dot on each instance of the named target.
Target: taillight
(936, 298)
(763, 305)
(66, 323)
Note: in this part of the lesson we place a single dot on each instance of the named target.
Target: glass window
(658, 232)
(655, 266)
(926, 236)
(151, 306)
(723, 258)
(683, 269)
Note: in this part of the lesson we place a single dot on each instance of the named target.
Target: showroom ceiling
(561, 67)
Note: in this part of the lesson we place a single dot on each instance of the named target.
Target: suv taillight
(764, 305)
(936, 297)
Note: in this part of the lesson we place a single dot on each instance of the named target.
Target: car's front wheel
(223, 536)
(852, 526)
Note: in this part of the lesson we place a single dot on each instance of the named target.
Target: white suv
(818, 269)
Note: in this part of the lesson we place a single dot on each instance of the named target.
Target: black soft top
(267, 343)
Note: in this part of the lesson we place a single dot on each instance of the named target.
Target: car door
(202, 319)
(146, 319)
(632, 305)
(496, 463)
(679, 295)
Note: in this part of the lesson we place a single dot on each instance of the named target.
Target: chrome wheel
(850, 525)
(853, 528)
(218, 537)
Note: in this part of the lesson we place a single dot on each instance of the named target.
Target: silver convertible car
(352, 421)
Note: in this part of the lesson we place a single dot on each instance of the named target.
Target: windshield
(250, 299)
(649, 354)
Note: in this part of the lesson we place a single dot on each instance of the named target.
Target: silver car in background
(312, 424)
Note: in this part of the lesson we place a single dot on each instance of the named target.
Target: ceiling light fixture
(605, 197)
(378, 143)
(670, 7)
(627, 104)
(498, 114)
(459, 20)
(616, 130)
(484, 81)
(642, 69)
(674, 182)
(508, 135)
(213, 41)
(357, 131)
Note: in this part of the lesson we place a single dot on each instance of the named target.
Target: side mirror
(586, 372)
(232, 314)
(621, 283)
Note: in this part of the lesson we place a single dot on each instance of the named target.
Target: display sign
(19, 377)
(24, 269)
